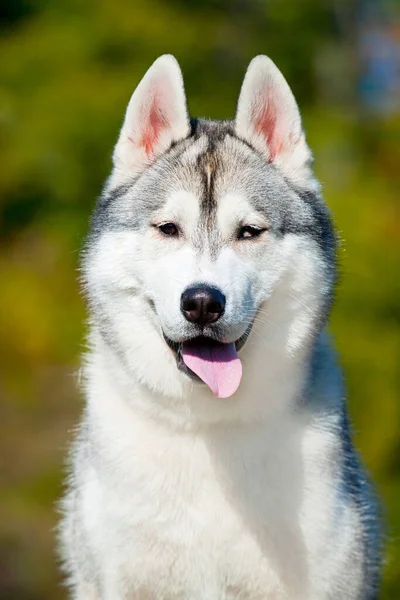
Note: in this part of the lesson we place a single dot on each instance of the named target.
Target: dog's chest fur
(226, 514)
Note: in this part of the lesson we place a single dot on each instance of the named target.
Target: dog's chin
(176, 347)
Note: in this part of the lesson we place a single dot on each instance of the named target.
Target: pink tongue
(218, 365)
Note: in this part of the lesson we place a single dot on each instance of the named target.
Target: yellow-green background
(67, 69)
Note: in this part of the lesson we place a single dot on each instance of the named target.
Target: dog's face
(206, 226)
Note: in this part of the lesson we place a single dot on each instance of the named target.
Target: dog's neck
(150, 384)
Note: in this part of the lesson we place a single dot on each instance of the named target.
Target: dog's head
(209, 234)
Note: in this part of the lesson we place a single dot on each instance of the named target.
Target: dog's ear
(156, 116)
(268, 119)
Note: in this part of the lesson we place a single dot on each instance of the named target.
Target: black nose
(202, 305)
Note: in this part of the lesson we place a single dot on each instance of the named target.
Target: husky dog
(214, 459)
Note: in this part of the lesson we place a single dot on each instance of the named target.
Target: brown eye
(169, 229)
(247, 232)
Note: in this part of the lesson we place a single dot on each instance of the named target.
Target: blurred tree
(12, 12)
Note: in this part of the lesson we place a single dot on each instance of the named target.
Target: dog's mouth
(215, 363)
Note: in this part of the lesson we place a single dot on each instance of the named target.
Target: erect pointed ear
(156, 116)
(268, 118)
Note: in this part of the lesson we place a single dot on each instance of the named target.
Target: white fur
(222, 510)
(196, 497)
(179, 495)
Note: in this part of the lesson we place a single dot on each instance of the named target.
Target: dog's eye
(247, 232)
(168, 229)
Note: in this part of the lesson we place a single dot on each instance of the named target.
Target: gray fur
(354, 480)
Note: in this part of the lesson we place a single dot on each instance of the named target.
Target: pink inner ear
(265, 119)
(153, 123)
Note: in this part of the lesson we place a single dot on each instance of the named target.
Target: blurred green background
(67, 70)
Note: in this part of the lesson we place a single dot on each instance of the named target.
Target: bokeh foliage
(66, 74)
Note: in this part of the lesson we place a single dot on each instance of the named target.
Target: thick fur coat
(176, 492)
